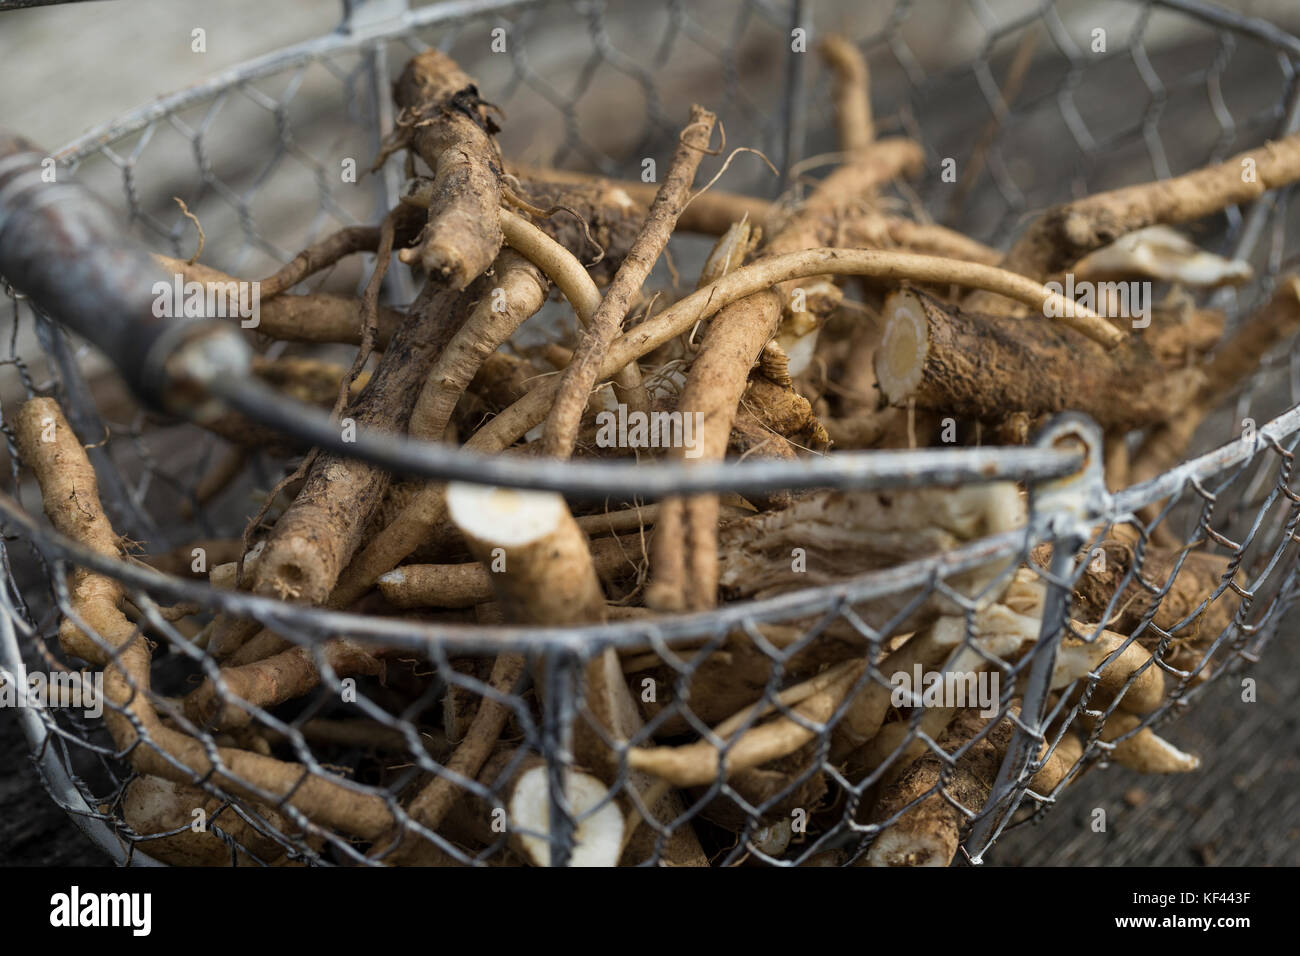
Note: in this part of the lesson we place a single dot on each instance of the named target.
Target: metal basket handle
(67, 252)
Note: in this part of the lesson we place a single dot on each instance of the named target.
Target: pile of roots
(827, 323)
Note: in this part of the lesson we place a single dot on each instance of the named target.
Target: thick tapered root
(467, 585)
(153, 805)
(1144, 751)
(685, 567)
(451, 130)
(1057, 766)
(315, 537)
(1133, 662)
(273, 681)
(320, 317)
(703, 762)
(518, 291)
(985, 367)
(541, 564)
(929, 832)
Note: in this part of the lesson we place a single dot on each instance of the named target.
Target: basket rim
(672, 628)
(348, 39)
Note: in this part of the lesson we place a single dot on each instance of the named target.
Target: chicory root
(576, 382)
(1065, 234)
(449, 126)
(684, 555)
(313, 540)
(273, 681)
(923, 824)
(984, 367)
(70, 494)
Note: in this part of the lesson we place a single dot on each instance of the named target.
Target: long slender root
(1067, 233)
(576, 383)
(70, 492)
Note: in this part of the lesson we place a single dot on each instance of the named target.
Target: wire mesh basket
(329, 777)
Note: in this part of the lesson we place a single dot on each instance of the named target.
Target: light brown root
(684, 563)
(782, 411)
(451, 129)
(1147, 691)
(544, 574)
(315, 537)
(846, 193)
(711, 213)
(153, 805)
(575, 385)
(1199, 576)
(896, 746)
(321, 317)
(995, 630)
(432, 804)
(1062, 759)
(517, 291)
(71, 499)
(701, 763)
(929, 833)
(1144, 751)
(572, 279)
(468, 585)
(274, 680)
(851, 92)
(1065, 234)
(319, 256)
(541, 565)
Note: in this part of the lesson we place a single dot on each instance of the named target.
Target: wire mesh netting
(1190, 571)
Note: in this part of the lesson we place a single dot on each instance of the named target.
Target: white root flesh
(598, 838)
(543, 572)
